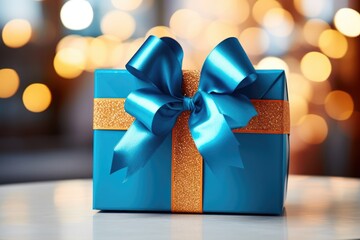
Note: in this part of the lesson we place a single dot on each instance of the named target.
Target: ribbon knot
(188, 104)
(219, 109)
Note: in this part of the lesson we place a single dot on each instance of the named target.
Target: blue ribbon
(215, 110)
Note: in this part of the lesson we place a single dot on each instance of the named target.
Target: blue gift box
(258, 188)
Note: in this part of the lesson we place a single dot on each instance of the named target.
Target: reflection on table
(316, 208)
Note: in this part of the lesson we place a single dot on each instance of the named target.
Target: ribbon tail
(237, 110)
(135, 149)
(213, 136)
(223, 150)
(158, 61)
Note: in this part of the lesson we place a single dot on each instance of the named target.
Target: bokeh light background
(50, 49)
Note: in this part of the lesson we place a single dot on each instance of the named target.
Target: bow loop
(158, 61)
(150, 106)
(175, 47)
(226, 68)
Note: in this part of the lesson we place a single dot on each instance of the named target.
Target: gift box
(190, 155)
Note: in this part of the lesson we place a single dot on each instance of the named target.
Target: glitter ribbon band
(273, 116)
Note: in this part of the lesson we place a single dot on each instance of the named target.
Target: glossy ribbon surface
(215, 111)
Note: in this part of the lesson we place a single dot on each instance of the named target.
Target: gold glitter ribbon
(273, 116)
(187, 165)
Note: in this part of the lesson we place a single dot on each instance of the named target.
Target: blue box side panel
(259, 187)
(147, 190)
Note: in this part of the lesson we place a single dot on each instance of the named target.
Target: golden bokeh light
(333, 43)
(160, 31)
(235, 11)
(261, 7)
(339, 105)
(116, 56)
(114, 50)
(98, 53)
(273, 63)
(36, 97)
(120, 55)
(313, 129)
(119, 24)
(312, 30)
(9, 82)
(298, 85)
(103, 51)
(69, 62)
(16, 33)
(88, 64)
(255, 40)
(72, 41)
(298, 108)
(321, 90)
(347, 21)
(76, 14)
(186, 23)
(312, 9)
(218, 30)
(315, 66)
(126, 5)
(278, 22)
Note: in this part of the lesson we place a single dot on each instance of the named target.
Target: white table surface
(316, 208)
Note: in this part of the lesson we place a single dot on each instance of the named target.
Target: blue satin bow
(214, 108)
